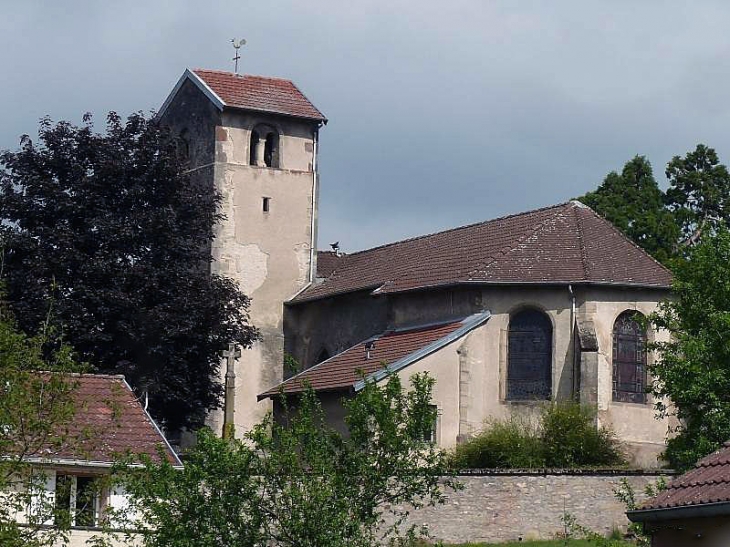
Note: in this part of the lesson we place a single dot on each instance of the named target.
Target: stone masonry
(509, 506)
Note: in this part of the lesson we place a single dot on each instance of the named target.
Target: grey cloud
(442, 113)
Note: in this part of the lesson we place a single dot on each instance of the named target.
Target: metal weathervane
(237, 45)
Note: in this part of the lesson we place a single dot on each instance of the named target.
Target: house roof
(388, 352)
(327, 262)
(108, 421)
(566, 243)
(247, 92)
(708, 484)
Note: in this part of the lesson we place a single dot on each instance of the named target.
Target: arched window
(629, 359)
(264, 147)
(529, 356)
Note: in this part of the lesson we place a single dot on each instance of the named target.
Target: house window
(529, 356)
(78, 497)
(427, 431)
(629, 359)
(266, 205)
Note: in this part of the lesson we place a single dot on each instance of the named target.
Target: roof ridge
(624, 236)
(504, 250)
(581, 242)
(456, 228)
(227, 72)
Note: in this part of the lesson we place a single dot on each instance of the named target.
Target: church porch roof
(378, 356)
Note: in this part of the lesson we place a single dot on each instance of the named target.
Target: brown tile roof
(393, 349)
(260, 93)
(108, 421)
(566, 243)
(327, 262)
(708, 482)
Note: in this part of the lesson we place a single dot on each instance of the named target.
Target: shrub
(565, 436)
(570, 437)
(512, 443)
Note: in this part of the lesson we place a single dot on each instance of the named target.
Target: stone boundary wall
(498, 506)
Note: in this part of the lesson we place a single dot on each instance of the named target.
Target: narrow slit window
(266, 205)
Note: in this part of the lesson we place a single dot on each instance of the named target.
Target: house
(108, 422)
(504, 314)
(695, 507)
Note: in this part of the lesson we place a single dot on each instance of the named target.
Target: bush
(570, 438)
(512, 443)
(566, 436)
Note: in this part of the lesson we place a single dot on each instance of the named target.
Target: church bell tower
(255, 139)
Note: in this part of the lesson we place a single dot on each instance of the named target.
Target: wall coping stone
(600, 472)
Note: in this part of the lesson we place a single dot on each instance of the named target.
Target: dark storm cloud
(441, 113)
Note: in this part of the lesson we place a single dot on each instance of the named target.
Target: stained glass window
(629, 359)
(529, 356)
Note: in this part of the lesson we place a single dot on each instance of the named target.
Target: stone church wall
(513, 506)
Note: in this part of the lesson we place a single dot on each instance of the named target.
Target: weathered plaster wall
(634, 423)
(333, 324)
(83, 538)
(501, 507)
(443, 365)
(473, 371)
(266, 253)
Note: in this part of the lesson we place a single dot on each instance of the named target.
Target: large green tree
(693, 367)
(634, 203)
(699, 193)
(111, 228)
(300, 483)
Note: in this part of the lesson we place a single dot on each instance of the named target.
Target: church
(504, 314)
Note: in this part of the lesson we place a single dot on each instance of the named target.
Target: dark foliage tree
(114, 232)
(699, 193)
(634, 203)
(693, 368)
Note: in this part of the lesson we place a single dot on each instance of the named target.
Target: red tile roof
(708, 482)
(328, 262)
(108, 421)
(260, 93)
(566, 243)
(346, 369)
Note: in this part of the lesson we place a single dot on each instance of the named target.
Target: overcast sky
(442, 113)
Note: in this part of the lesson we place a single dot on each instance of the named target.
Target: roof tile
(566, 243)
(109, 421)
(344, 369)
(708, 482)
(260, 93)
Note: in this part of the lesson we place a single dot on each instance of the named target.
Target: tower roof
(246, 92)
(562, 244)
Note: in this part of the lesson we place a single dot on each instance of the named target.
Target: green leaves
(633, 202)
(693, 369)
(664, 224)
(111, 228)
(565, 436)
(299, 483)
(36, 417)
